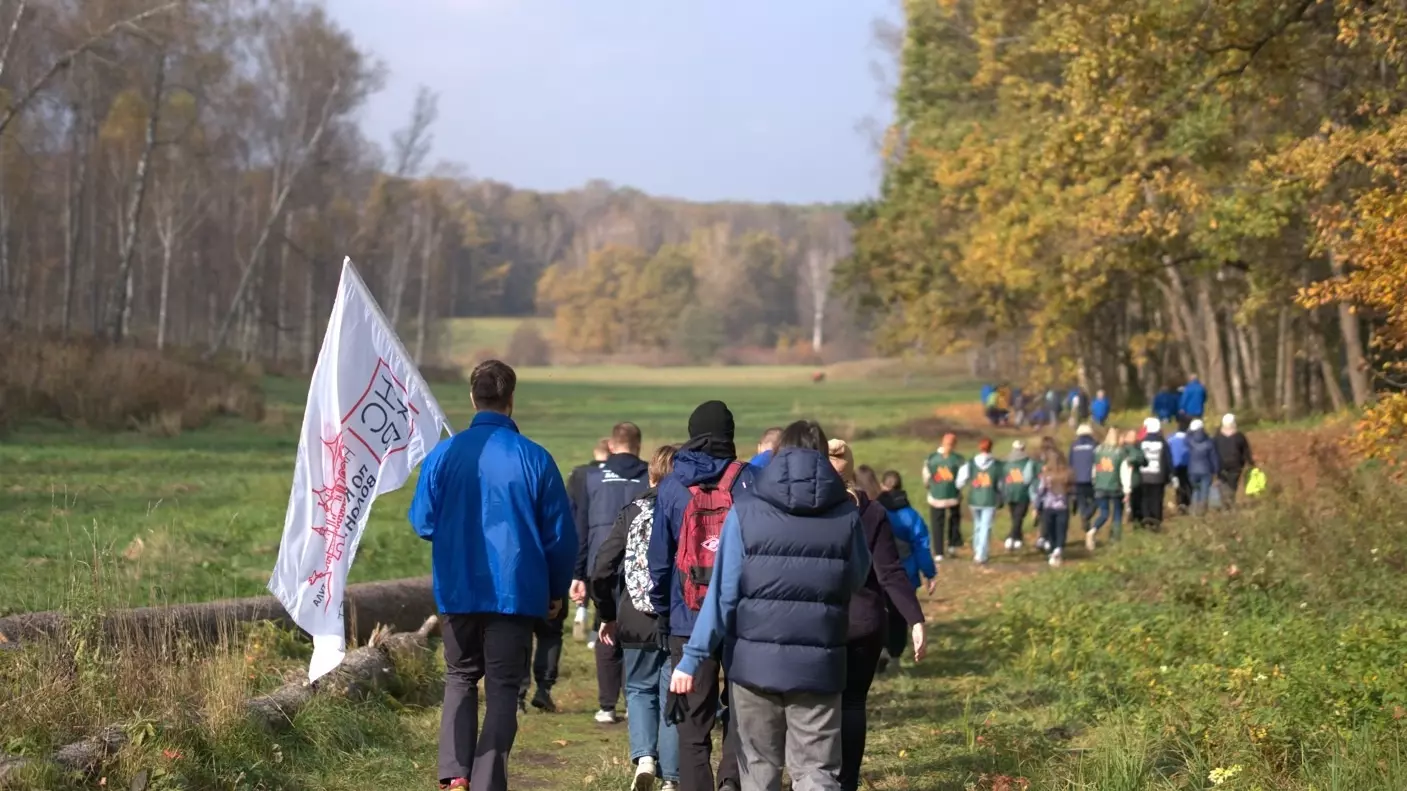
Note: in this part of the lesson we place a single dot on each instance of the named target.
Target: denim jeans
(1057, 526)
(982, 518)
(1111, 504)
(1201, 493)
(647, 673)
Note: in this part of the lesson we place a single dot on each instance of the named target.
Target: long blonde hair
(1111, 440)
(842, 458)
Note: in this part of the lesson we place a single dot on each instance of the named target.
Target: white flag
(370, 419)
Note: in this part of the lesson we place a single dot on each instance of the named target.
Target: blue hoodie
(1165, 405)
(492, 504)
(691, 467)
(1177, 448)
(1194, 399)
(760, 460)
(1082, 459)
(1099, 409)
(1202, 458)
(909, 527)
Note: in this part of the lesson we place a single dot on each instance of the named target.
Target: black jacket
(609, 488)
(1235, 452)
(576, 492)
(1157, 460)
(634, 629)
(888, 581)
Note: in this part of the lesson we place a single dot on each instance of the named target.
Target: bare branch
(10, 37)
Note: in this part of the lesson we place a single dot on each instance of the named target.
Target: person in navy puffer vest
(792, 553)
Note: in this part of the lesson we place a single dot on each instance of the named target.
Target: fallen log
(365, 670)
(399, 604)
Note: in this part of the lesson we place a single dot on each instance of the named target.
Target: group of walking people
(1098, 482)
(756, 598)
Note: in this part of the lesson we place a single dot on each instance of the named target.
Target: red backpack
(700, 532)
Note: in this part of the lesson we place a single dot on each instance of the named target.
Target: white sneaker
(591, 644)
(1055, 558)
(937, 558)
(1010, 544)
(669, 785)
(1016, 545)
(645, 772)
(607, 717)
(1089, 540)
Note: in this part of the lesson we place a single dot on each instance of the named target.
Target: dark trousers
(897, 635)
(696, 731)
(861, 659)
(1018, 518)
(1084, 503)
(610, 673)
(491, 648)
(1057, 525)
(1231, 485)
(1152, 497)
(945, 522)
(547, 655)
(1184, 491)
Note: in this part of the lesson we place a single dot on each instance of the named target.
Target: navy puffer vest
(793, 618)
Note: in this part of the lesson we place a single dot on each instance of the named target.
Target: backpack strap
(731, 473)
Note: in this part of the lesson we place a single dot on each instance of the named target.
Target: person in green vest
(981, 476)
(1108, 487)
(1021, 472)
(940, 470)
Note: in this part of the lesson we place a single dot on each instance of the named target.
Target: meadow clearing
(1255, 650)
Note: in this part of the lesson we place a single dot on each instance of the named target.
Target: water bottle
(579, 624)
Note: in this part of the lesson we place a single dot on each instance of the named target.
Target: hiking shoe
(543, 701)
(607, 717)
(458, 782)
(644, 775)
(1089, 539)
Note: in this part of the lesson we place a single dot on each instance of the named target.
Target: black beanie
(711, 419)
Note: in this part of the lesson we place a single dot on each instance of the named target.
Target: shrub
(527, 346)
(88, 383)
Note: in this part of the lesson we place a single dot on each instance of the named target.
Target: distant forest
(191, 174)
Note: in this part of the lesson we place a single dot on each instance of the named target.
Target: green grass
(199, 516)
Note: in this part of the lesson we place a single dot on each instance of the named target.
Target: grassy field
(199, 516)
(463, 339)
(1251, 651)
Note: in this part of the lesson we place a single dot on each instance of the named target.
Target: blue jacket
(1082, 459)
(792, 553)
(909, 528)
(1165, 405)
(667, 594)
(1099, 409)
(760, 460)
(495, 511)
(1177, 448)
(1202, 458)
(1194, 399)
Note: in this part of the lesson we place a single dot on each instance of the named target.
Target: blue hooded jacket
(1165, 405)
(492, 504)
(1202, 458)
(1194, 399)
(1099, 409)
(691, 467)
(1177, 448)
(909, 527)
(760, 460)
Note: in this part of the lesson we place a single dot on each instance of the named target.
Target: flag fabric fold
(370, 419)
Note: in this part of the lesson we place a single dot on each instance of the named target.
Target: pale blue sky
(701, 99)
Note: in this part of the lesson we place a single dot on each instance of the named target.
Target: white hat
(1084, 430)
(1228, 420)
(1018, 445)
(1196, 425)
(1152, 425)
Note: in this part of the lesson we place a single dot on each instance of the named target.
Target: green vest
(1106, 470)
(983, 485)
(943, 475)
(1017, 480)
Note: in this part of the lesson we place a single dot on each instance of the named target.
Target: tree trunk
(73, 220)
(1215, 372)
(1320, 351)
(1285, 364)
(168, 244)
(1250, 360)
(310, 319)
(432, 246)
(1236, 369)
(122, 301)
(1358, 379)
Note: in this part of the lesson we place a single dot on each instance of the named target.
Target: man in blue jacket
(791, 555)
(1165, 405)
(1099, 408)
(495, 511)
(1193, 402)
(703, 461)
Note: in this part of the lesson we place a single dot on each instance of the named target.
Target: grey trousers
(801, 730)
(494, 649)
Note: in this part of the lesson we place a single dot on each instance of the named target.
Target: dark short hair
(892, 480)
(492, 384)
(806, 434)
(628, 435)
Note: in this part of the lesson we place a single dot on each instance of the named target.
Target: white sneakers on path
(645, 772)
